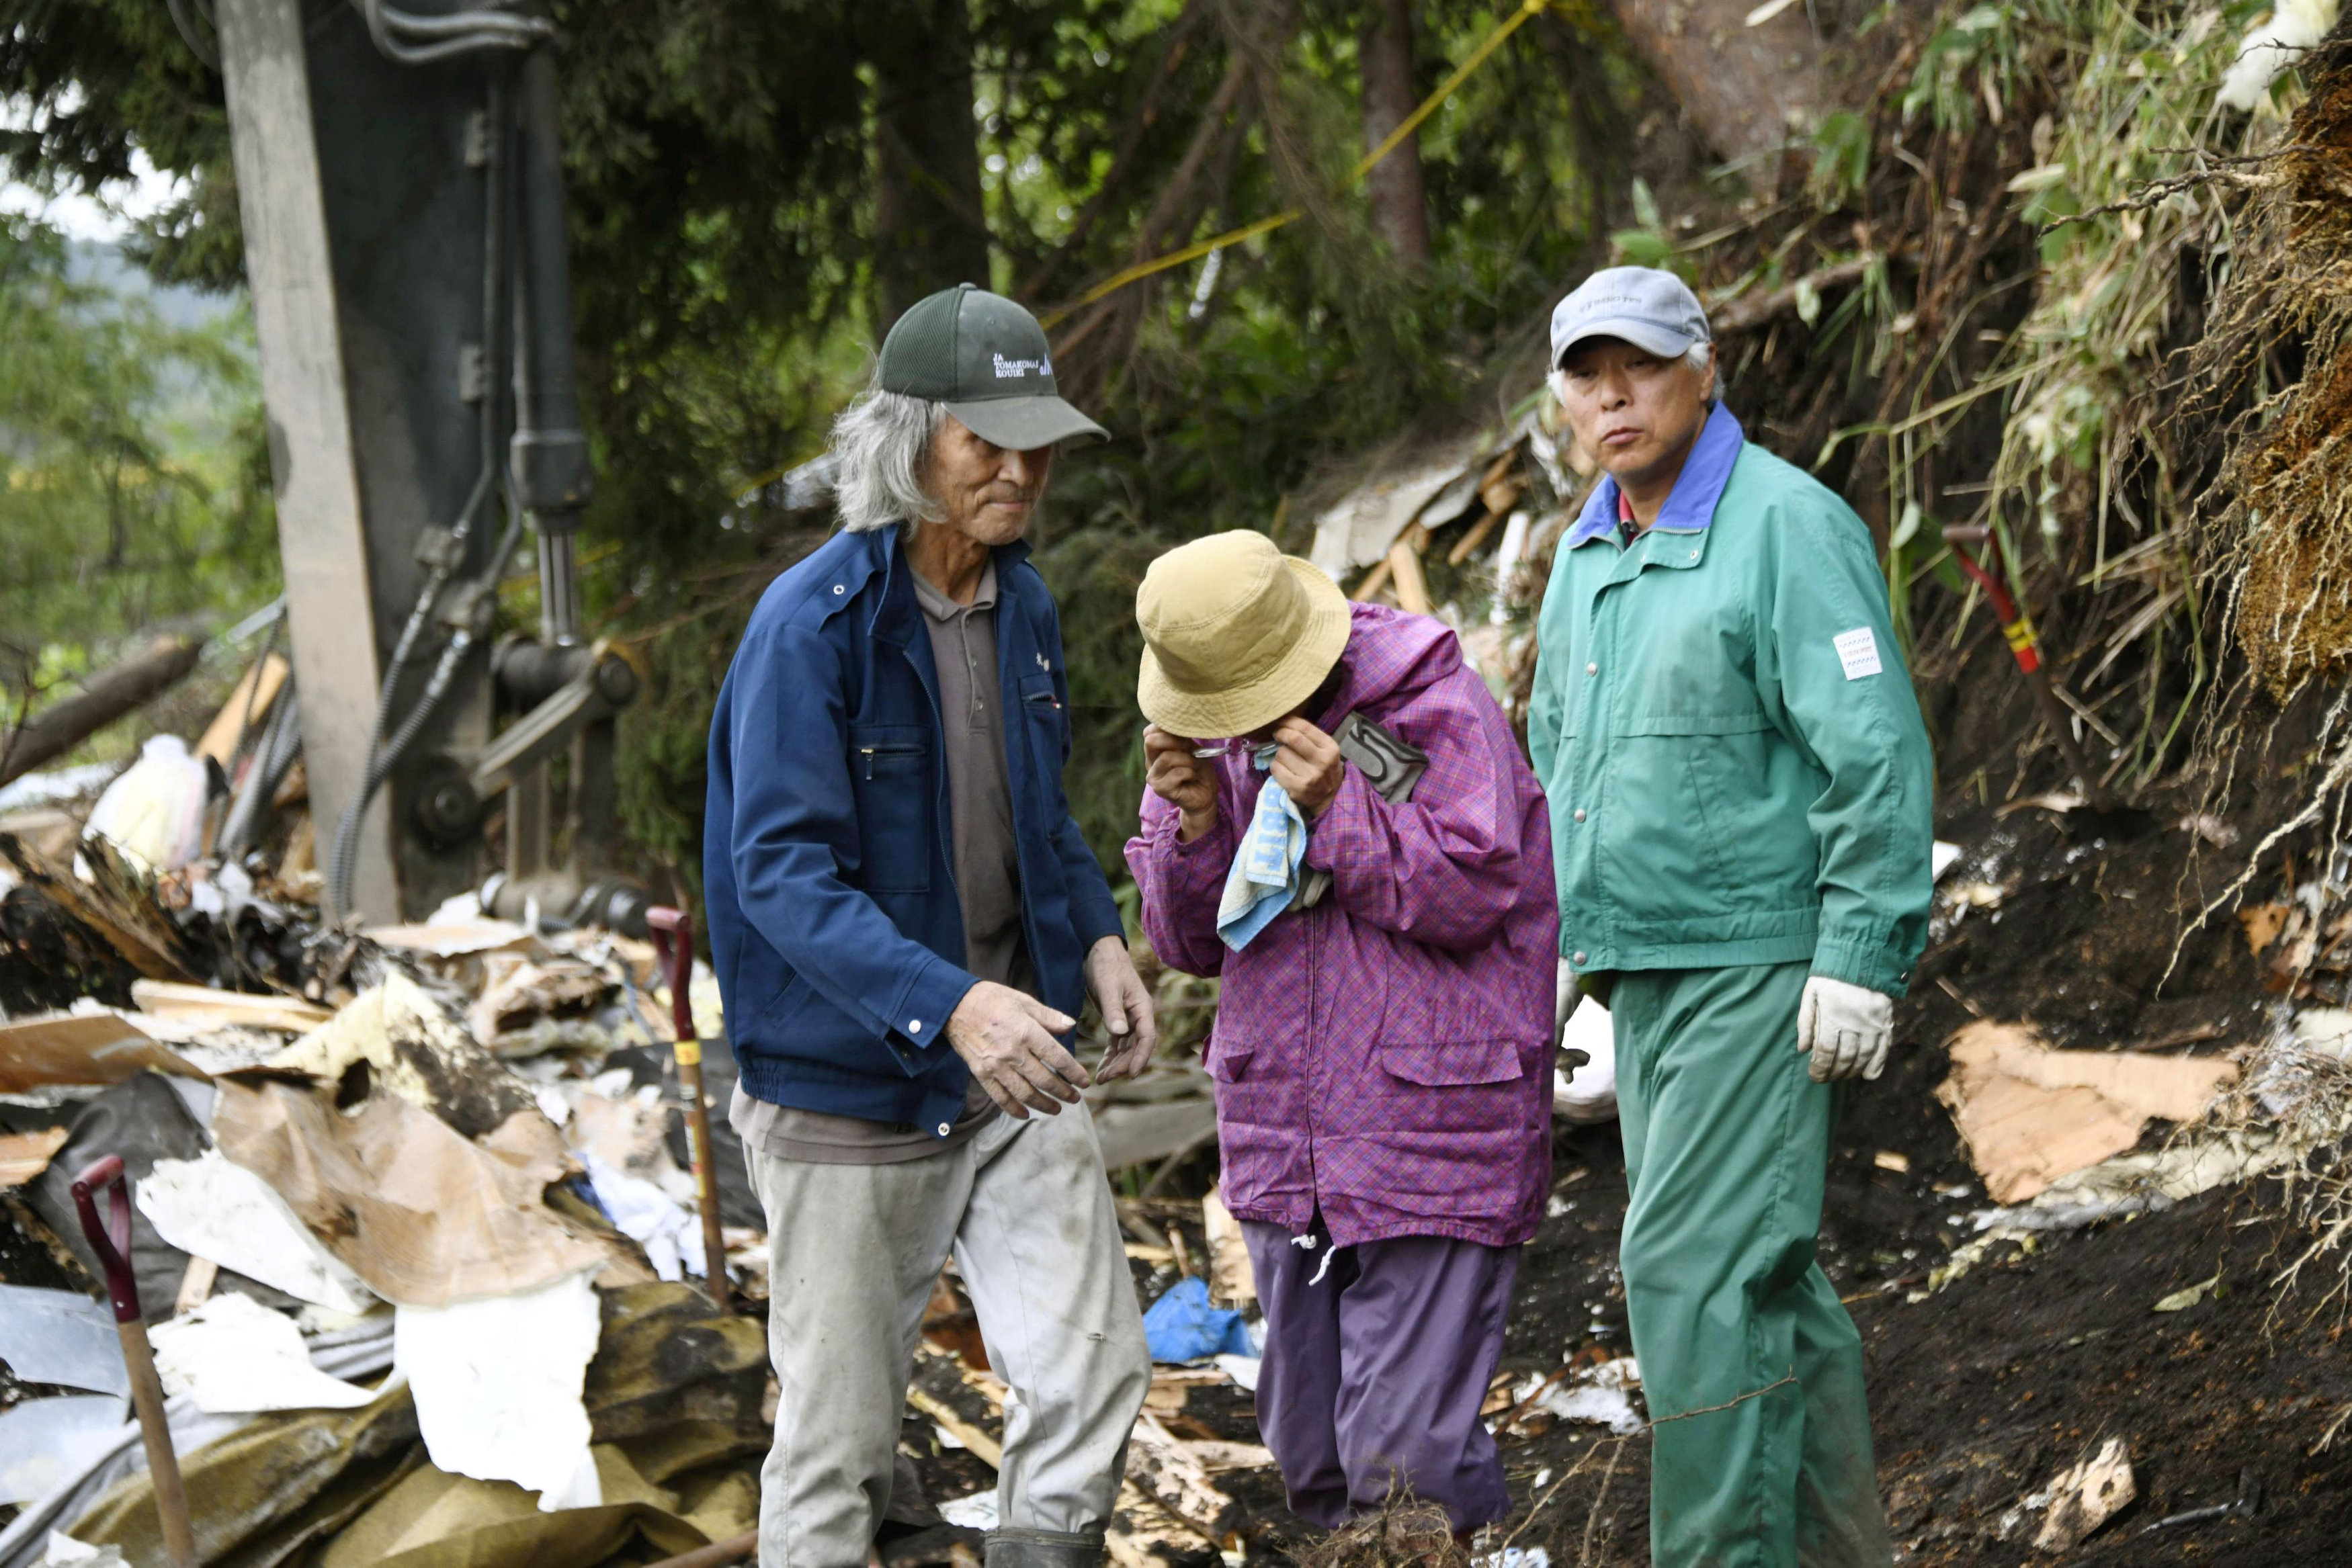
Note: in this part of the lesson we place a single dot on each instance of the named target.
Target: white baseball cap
(1655, 311)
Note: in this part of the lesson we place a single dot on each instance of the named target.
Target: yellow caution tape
(1411, 122)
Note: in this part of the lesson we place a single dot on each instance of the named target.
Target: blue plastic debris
(1182, 1326)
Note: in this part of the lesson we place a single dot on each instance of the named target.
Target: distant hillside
(105, 267)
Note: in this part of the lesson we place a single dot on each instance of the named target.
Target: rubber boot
(1044, 1549)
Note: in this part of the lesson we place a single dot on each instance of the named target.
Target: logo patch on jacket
(1858, 650)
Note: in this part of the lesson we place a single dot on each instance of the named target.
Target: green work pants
(1726, 1146)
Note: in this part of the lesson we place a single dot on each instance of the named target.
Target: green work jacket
(1736, 762)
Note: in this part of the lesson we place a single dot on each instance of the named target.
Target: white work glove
(1846, 1029)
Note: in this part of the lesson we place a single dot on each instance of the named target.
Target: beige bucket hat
(1235, 636)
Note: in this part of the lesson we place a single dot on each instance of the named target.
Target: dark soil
(1985, 1390)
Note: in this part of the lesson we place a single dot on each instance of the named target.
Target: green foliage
(133, 484)
(723, 195)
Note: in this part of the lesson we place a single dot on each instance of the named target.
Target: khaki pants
(853, 1253)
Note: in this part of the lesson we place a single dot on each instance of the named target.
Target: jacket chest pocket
(892, 770)
(1047, 721)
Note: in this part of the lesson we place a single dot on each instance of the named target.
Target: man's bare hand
(1126, 1006)
(1185, 782)
(1007, 1041)
(1309, 765)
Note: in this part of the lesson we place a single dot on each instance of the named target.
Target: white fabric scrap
(497, 1388)
(213, 1208)
(1242, 1369)
(234, 1356)
(670, 1233)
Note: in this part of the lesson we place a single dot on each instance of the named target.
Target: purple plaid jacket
(1384, 1056)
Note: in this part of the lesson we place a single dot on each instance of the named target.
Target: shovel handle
(673, 933)
(110, 1238)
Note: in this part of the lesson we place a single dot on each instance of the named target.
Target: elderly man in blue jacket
(906, 922)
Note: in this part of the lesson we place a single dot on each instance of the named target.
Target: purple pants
(1374, 1374)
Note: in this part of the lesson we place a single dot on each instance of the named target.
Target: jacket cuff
(918, 1024)
(1869, 965)
(1096, 917)
(1340, 822)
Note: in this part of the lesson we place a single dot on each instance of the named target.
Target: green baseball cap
(984, 359)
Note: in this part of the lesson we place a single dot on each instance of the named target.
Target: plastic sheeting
(44, 1442)
(61, 1337)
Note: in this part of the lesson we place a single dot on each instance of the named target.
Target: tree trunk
(1384, 50)
(103, 698)
(1746, 90)
(930, 228)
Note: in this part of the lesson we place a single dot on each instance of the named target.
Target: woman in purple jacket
(1340, 824)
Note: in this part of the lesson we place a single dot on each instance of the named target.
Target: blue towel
(1265, 878)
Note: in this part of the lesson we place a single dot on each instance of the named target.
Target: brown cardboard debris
(206, 1008)
(24, 1156)
(421, 1214)
(2030, 1115)
(1232, 1281)
(96, 1048)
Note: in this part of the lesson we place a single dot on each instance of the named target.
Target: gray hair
(1696, 357)
(881, 445)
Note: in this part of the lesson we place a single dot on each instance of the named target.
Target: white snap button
(1579, 814)
(1592, 669)
(914, 1026)
(943, 1129)
(838, 589)
(1694, 555)
(1576, 958)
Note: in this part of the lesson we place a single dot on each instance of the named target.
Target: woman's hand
(1309, 765)
(1185, 782)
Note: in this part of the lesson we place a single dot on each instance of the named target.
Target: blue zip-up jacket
(828, 877)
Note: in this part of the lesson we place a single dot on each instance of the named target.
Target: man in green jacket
(1740, 797)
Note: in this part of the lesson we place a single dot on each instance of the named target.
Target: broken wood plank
(1412, 587)
(1232, 1281)
(24, 1156)
(206, 1008)
(104, 697)
(1159, 1463)
(1473, 539)
(246, 707)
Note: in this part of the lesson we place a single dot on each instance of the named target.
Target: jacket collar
(1697, 488)
(882, 552)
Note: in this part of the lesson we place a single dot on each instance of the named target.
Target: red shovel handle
(672, 931)
(110, 1238)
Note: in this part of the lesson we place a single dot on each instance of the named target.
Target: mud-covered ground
(1984, 1392)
